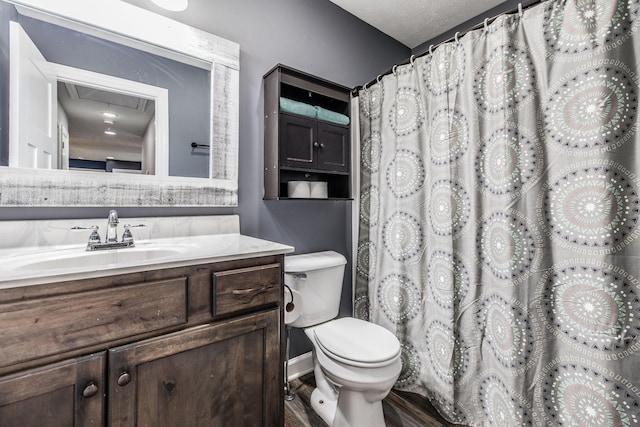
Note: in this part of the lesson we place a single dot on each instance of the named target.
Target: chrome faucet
(111, 236)
(112, 227)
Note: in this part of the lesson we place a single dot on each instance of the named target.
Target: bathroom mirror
(210, 61)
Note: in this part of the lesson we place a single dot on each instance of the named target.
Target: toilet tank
(318, 278)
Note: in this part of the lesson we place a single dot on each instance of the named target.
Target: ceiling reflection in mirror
(100, 126)
(187, 87)
(155, 135)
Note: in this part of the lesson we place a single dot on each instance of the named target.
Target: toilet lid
(313, 261)
(354, 340)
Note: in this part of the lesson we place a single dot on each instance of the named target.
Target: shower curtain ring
(430, 49)
(413, 57)
(486, 24)
(364, 87)
(378, 78)
(520, 10)
(394, 69)
(456, 37)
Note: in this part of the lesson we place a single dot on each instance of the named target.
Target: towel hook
(394, 69)
(456, 37)
(520, 10)
(430, 49)
(413, 57)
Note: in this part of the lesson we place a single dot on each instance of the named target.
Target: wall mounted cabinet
(307, 133)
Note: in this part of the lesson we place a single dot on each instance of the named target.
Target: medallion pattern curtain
(499, 207)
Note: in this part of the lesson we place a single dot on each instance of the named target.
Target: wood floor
(400, 409)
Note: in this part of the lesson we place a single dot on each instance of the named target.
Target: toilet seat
(357, 342)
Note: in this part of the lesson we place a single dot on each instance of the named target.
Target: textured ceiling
(413, 22)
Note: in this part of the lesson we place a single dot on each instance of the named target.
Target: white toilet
(355, 362)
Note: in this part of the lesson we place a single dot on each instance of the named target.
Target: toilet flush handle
(300, 276)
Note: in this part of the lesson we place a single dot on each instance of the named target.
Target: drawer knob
(90, 390)
(124, 379)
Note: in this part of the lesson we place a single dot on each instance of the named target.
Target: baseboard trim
(300, 365)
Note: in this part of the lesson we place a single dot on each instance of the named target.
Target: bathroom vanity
(188, 337)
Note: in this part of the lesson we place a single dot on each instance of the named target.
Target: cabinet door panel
(297, 135)
(333, 150)
(213, 375)
(53, 395)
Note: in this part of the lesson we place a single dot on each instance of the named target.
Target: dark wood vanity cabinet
(301, 147)
(209, 352)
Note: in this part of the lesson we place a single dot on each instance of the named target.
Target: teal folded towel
(331, 116)
(290, 106)
(296, 107)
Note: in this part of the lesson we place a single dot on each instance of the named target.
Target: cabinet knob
(90, 390)
(315, 144)
(124, 379)
(321, 145)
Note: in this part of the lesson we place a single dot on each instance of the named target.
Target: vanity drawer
(46, 326)
(244, 288)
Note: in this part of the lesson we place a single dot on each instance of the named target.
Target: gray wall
(311, 35)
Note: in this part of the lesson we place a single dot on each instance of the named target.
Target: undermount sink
(73, 258)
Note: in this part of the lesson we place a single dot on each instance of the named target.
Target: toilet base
(324, 407)
(350, 410)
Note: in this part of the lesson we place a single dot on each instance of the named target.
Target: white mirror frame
(118, 21)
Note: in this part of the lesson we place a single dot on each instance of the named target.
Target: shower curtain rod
(521, 7)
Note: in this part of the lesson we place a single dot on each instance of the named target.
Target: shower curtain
(498, 218)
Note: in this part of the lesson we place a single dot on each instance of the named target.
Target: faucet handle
(94, 237)
(126, 235)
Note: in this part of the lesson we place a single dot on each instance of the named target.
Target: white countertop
(15, 271)
(22, 265)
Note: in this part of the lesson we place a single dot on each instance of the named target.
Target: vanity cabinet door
(212, 375)
(69, 393)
